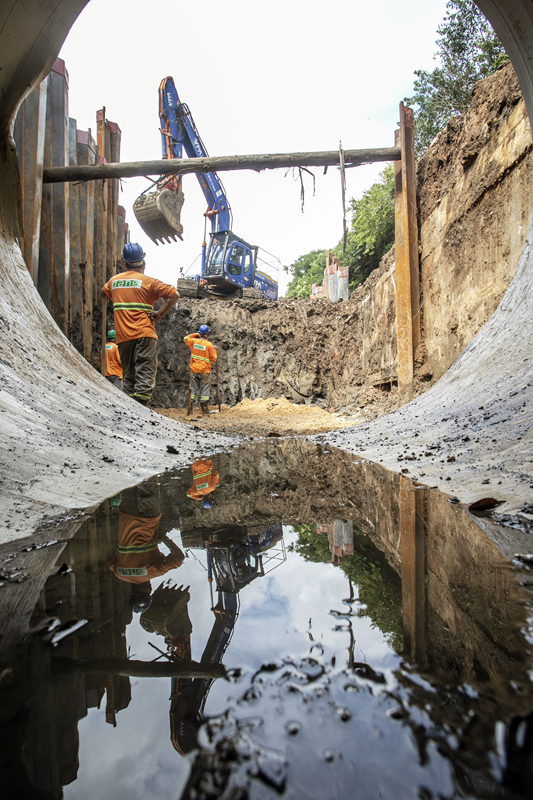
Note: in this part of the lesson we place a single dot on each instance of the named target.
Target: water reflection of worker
(139, 559)
(168, 616)
(206, 480)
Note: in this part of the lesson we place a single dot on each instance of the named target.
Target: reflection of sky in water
(137, 759)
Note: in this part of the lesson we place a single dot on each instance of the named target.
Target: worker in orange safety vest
(113, 364)
(138, 558)
(203, 355)
(206, 480)
(134, 294)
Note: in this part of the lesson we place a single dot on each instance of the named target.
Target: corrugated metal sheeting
(73, 232)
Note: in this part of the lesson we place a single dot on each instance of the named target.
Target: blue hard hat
(203, 329)
(207, 503)
(132, 253)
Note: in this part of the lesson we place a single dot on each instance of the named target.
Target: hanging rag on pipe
(343, 189)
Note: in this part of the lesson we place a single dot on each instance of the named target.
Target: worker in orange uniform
(139, 559)
(134, 294)
(203, 354)
(206, 480)
(113, 365)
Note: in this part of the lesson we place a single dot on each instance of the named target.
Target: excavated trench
(391, 646)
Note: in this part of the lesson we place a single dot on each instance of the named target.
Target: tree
(467, 50)
(372, 228)
(380, 587)
(306, 270)
(370, 236)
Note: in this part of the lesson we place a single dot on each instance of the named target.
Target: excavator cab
(230, 262)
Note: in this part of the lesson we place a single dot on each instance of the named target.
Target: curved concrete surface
(68, 438)
(480, 413)
(67, 443)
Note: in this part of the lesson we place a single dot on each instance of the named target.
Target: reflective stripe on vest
(137, 548)
(140, 306)
(131, 571)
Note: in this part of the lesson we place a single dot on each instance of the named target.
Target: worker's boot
(205, 409)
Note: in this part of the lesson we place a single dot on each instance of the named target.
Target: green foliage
(467, 50)
(370, 236)
(306, 270)
(312, 546)
(380, 587)
(372, 229)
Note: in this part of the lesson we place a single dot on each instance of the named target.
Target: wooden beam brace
(135, 169)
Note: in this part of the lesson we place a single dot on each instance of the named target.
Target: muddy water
(280, 620)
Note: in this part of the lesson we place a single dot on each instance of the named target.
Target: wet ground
(282, 620)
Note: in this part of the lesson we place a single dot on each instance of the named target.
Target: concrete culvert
(54, 409)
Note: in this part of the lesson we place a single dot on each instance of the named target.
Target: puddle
(287, 621)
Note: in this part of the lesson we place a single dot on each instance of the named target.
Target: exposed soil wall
(308, 352)
(475, 190)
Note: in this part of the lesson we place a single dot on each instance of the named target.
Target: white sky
(283, 76)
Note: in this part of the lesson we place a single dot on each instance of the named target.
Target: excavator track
(158, 214)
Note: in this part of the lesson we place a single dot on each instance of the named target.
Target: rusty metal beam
(406, 241)
(29, 133)
(220, 164)
(54, 244)
(102, 210)
(412, 554)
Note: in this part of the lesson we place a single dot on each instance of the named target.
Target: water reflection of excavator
(236, 556)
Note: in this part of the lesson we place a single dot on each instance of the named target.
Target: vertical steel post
(86, 153)
(121, 219)
(412, 553)
(74, 230)
(29, 133)
(113, 135)
(54, 246)
(406, 240)
(102, 210)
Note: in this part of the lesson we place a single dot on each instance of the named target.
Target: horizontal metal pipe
(139, 669)
(132, 169)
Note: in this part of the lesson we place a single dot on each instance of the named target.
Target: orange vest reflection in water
(206, 479)
(139, 559)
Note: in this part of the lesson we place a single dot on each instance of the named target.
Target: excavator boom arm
(178, 133)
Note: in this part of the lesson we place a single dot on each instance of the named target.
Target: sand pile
(260, 417)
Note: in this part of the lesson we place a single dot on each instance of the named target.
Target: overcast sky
(282, 76)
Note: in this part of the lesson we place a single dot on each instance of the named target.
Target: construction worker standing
(203, 354)
(134, 294)
(113, 365)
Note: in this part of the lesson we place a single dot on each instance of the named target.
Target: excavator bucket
(158, 214)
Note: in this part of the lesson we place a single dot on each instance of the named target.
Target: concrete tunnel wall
(66, 443)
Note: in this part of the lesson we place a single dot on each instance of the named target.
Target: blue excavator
(229, 263)
(236, 556)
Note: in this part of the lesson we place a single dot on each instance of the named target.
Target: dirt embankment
(304, 351)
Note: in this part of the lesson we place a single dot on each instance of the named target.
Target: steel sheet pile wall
(73, 232)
